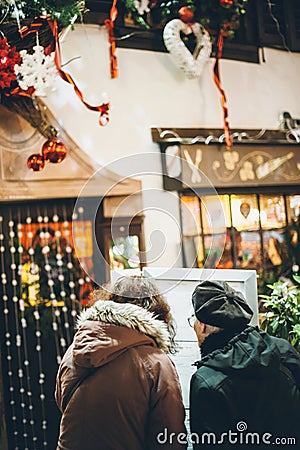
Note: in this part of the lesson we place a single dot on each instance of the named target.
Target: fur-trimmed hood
(107, 329)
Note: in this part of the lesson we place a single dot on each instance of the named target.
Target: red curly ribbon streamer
(109, 23)
(219, 86)
(33, 28)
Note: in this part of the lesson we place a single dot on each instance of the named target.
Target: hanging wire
(274, 18)
(3, 18)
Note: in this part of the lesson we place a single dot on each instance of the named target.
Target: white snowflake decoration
(36, 70)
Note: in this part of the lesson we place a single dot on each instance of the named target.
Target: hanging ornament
(54, 151)
(33, 28)
(36, 162)
(191, 63)
(217, 79)
(245, 209)
(110, 24)
(36, 70)
(104, 117)
(8, 58)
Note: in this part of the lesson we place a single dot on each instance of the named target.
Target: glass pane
(232, 254)
(124, 253)
(250, 250)
(275, 248)
(244, 210)
(193, 251)
(214, 246)
(215, 213)
(293, 204)
(272, 211)
(190, 215)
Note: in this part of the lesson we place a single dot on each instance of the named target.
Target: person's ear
(202, 327)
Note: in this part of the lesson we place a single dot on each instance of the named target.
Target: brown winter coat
(132, 395)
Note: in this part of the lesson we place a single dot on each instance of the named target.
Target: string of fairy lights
(38, 335)
(22, 262)
(8, 342)
(21, 337)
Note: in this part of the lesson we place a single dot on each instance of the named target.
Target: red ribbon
(219, 86)
(110, 23)
(34, 28)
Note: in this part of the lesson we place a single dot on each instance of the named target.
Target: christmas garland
(214, 15)
(64, 11)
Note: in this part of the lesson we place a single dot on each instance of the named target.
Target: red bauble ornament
(54, 151)
(186, 14)
(36, 162)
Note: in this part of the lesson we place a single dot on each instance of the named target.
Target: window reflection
(244, 231)
(272, 211)
(251, 250)
(51, 273)
(215, 213)
(275, 247)
(190, 211)
(124, 253)
(293, 203)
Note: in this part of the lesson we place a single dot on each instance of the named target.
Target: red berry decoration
(186, 14)
(36, 162)
(226, 3)
(54, 151)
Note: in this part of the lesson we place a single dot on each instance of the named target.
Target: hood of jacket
(107, 329)
(252, 353)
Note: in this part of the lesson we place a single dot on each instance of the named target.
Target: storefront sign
(244, 165)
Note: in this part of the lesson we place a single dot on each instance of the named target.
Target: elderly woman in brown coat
(116, 387)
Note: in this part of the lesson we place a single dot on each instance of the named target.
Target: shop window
(256, 231)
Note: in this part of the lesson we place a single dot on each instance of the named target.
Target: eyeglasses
(191, 320)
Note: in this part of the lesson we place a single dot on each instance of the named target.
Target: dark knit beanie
(216, 303)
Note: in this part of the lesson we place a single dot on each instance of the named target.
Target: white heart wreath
(191, 63)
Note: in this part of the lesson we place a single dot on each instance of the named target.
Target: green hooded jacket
(246, 393)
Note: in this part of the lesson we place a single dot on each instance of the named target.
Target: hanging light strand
(75, 303)
(26, 361)
(18, 342)
(65, 338)
(38, 332)
(9, 357)
(55, 311)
